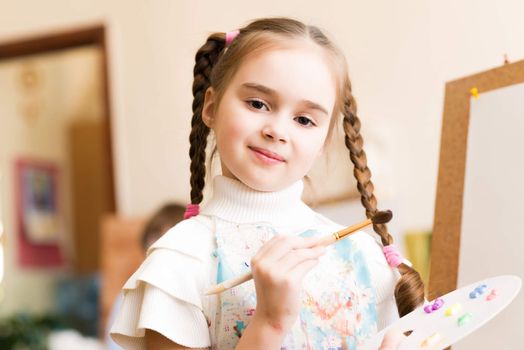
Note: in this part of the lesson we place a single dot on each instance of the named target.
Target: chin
(259, 183)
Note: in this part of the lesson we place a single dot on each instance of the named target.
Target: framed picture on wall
(38, 215)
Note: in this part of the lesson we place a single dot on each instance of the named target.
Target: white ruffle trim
(165, 294)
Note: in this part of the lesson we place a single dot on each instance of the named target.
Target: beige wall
(400, 55)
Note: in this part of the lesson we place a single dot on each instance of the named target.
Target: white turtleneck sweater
(166, 293)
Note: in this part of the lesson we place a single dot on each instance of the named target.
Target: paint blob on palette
(451, 317)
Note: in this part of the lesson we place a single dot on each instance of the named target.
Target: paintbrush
(380, 217)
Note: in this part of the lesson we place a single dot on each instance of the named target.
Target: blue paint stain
(309, 233)
(361, 268)
(224, 272)
(351, 343)
(344, 249)
(239, 328)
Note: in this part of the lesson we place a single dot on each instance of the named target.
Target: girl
(271, 93)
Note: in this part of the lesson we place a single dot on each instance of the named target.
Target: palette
(463, 311)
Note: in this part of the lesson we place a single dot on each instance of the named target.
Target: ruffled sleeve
(165, 294)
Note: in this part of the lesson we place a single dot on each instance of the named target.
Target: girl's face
(273, 118)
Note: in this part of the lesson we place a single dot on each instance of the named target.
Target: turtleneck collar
(233, 201)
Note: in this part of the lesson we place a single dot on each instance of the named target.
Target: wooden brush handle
(325, 241)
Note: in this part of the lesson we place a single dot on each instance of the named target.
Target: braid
(206, 58)
(409, 291)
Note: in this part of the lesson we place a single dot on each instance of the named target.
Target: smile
(266, 156)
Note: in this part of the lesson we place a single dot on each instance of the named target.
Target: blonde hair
(215, 67)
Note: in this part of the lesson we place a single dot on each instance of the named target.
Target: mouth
(267, 156)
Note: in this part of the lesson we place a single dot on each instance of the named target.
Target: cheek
(231, 138)
(231, 133)
(316, 142)
(310, 149)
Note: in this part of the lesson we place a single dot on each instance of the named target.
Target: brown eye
(257, 104)
(305, 121)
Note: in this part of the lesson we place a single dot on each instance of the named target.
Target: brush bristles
(382, 217)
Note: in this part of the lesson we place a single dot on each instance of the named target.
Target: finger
(297, 273)
(260, 261)
(282, 271)
(269, 244)
(310, 242)
(299, 241)
(392, 339)
(297, 256)
(282, 246)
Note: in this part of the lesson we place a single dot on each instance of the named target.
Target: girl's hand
(278, 269)
(392, 340)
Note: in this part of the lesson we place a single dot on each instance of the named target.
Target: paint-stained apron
(338, 305)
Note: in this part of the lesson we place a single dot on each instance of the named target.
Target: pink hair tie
(230, 36)
(393, 256)
(191, 210)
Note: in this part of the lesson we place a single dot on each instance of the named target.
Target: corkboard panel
(447, 222)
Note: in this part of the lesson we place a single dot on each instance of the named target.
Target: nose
(275, 129)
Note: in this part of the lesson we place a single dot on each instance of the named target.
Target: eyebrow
(268, 91)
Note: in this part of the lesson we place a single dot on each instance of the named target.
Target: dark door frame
(93, 35)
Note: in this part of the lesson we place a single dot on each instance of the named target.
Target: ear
(208, 110)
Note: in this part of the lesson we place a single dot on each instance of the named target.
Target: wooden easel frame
(447, 222)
